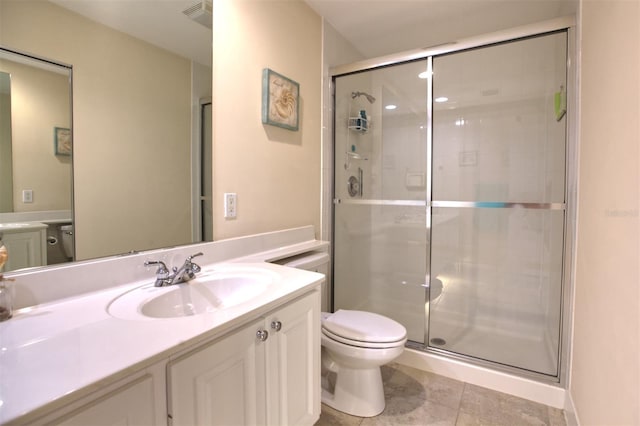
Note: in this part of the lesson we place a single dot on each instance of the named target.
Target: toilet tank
(315, 261)
(55, 254)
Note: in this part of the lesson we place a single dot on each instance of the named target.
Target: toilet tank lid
(364, 326)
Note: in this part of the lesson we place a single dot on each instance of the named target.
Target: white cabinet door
(133, 404)
(243, 379)
(26, 249)
(293, 363)
(221, 384)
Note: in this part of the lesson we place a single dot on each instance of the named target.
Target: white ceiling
(159, 22)
(374, 27)
(381, 27)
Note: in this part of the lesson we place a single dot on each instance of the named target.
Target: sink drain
(438, 341)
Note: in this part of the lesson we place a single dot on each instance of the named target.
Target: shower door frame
(566, 295)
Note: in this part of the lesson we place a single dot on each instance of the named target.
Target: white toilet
(355, 344)
(67, 240)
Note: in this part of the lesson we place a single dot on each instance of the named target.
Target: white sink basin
(208, 292)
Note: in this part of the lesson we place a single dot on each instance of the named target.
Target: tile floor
(416, 397)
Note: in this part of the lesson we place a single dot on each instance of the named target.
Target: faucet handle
(193, 267)
(194, 255)
(162, 269)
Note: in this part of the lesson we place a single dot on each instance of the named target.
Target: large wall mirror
(141, 74)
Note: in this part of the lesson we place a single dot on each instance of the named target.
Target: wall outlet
(27, 195)
(230, 205)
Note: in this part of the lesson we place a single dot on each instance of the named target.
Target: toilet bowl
(355, 344)
(67, 240)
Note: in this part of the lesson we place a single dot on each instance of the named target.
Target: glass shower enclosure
(449, 199)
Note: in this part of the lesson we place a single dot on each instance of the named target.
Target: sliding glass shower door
(498, 202)
(449, 209)
(380, 236)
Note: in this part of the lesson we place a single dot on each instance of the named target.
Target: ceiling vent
(201, 12)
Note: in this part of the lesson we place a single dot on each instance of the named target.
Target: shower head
(370, 98)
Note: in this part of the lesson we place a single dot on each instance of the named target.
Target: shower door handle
(374, 202)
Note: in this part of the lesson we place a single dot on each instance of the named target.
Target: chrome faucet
(185, 273)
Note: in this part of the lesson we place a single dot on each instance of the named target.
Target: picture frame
(62, 141)
(280, 100)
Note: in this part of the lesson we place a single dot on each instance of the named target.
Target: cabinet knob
(276, 325)
(262, 335)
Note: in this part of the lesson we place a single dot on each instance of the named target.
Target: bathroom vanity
(243, 348)
(27, 243)
(263, 370)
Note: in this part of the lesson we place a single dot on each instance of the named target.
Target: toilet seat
(363, 329)
(361, 344)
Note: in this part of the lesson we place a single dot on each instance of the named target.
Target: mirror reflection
(136, 124)
(36, 160)
(6, 167)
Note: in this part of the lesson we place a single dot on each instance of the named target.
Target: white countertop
(21, 226)
(43, 216)
(51, 353)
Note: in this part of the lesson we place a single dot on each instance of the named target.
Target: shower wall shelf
(358, 124)
(355, 156)
(352, 156)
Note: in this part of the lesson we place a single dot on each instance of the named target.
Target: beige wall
(132, 124)
(605, 372)
(40, 101)
(275, 172)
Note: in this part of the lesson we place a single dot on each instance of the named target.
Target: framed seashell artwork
(280, 100)
(62, 141)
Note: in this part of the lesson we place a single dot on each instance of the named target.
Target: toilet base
(358, 392)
